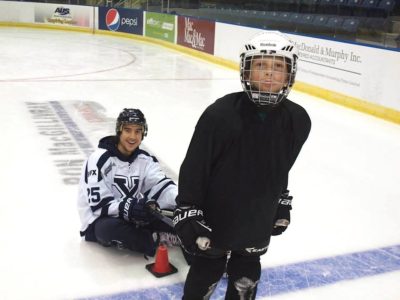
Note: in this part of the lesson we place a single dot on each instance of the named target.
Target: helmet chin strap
(261, 98)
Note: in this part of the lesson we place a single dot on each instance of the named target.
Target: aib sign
(121, 20)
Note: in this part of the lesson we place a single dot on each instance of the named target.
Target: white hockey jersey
(108, 178)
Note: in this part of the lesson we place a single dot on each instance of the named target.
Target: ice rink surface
(61, 91)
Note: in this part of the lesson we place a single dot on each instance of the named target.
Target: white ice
(345, 181)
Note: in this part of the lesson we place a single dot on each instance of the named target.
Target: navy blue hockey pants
(109, 231)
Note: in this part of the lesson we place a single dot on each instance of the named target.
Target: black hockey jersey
(237, 166)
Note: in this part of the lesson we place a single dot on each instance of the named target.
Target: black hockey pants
(243, 269)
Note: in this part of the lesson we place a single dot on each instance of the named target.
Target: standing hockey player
(233, 180)
(121, 186)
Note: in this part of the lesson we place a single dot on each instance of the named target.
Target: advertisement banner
(357, 71)
(65, 15)
(121, 20)
(160, 26)
(331, 65)
(196, 34)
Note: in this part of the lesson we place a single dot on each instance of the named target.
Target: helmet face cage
(131, 116)
(268, 67)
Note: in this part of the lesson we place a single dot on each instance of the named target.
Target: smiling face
(268, 74)
(130, 138)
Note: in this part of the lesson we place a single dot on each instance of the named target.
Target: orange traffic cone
(161, 267)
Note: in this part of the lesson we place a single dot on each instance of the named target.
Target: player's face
(268, 74)
(130, 138)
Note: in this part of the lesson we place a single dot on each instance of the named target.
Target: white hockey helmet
(268, 44)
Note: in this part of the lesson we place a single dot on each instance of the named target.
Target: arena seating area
(374, 22)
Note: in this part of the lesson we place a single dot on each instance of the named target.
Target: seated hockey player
(121, 190)
(233, 181)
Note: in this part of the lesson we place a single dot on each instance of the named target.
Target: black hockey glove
(282, 217)
(189, 225)
(137, 210)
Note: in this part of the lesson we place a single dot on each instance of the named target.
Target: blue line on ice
(292, 277)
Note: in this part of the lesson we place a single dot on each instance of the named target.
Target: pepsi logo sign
(113, 19)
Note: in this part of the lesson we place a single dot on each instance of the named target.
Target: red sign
(196, 34)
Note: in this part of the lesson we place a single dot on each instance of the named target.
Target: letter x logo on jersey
(126, 186)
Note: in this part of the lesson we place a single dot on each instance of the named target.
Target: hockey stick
(163, 215)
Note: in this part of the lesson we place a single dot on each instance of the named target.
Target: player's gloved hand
(137, 210)
(282, 217)
(189, 225)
